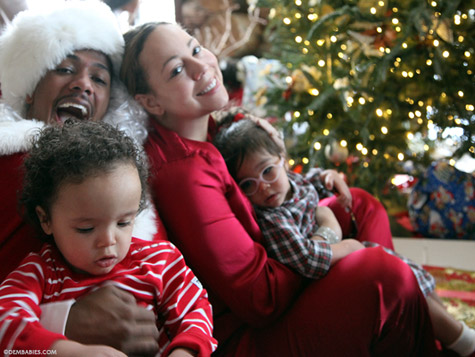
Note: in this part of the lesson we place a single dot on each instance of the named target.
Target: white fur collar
(16, 133)
(146, 223)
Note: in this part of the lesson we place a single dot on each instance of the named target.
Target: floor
(452, 264)
(459, 254)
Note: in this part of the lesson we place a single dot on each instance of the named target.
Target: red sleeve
(21, 293)
(186, 307)
(203, 209)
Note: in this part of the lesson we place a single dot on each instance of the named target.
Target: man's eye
(99, 80)
(196, 50)
(64, 70)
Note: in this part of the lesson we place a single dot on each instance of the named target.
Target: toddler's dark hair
(70, 154)
(238, 138)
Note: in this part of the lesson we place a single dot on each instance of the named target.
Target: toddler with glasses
(273, 186)
(297, 231)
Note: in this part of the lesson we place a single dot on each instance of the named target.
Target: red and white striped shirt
(154, 272)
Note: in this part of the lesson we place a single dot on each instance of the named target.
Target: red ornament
(287, 93)
(382, 39)
(238, 116)
(298, 168)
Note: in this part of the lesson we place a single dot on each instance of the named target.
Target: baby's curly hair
(70, 154)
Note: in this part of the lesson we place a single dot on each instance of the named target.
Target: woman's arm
(210, 221)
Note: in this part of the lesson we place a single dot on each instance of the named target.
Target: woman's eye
(196, 50)
(124, 224)
(176, 71)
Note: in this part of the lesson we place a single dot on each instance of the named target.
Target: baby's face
(92, 221)
(263, 178)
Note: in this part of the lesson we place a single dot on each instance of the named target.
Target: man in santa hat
(54, 65)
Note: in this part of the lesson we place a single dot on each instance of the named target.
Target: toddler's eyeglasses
(270, 174)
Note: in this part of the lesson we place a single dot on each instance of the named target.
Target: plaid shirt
(287, 230)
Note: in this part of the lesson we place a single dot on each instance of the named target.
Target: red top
(221, 241)
(17, 238)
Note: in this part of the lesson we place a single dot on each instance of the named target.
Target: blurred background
(380, 90)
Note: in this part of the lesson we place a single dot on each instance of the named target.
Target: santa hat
(37, 41)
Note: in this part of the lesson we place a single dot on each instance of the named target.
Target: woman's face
(185, 78)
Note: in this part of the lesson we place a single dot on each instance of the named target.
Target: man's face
(78, 87)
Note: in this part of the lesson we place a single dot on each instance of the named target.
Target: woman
(261, 308)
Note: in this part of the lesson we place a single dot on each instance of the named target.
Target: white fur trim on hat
(37, 41)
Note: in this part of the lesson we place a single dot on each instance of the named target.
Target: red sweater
(154, 272)
(202, 209)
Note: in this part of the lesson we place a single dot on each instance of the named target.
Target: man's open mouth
(70, 110)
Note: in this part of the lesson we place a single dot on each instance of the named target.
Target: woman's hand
(333, 181)
(270, 129)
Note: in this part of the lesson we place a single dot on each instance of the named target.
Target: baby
(84, 185)
(299, 233)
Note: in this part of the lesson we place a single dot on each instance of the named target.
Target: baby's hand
(333, 181)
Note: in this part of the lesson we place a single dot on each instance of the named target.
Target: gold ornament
(335, 152)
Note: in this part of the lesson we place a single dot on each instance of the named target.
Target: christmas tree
(368, 86)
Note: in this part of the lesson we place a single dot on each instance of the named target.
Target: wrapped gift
(442, 203)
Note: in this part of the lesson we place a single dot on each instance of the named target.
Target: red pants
(369, 304)
(372, 222)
